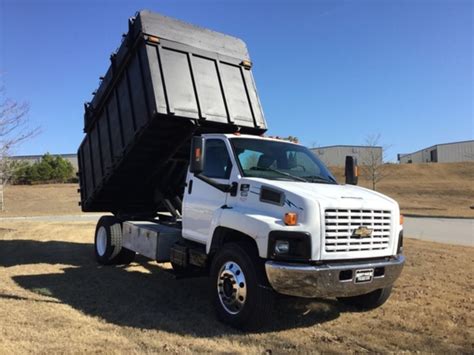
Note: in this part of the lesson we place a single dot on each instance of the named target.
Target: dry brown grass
(55, 298)
(440, 189)
(36, 200)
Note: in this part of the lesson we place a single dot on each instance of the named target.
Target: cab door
(201, 200)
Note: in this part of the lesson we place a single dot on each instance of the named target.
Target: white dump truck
(175, 151)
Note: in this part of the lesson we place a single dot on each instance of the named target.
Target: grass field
(40, 200)
(439, 189)
(425, 189)
(55, 298)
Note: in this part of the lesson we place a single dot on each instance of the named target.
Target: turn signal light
(401, 219)
(291, 219)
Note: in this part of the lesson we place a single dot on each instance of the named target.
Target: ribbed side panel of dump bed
(157, 93)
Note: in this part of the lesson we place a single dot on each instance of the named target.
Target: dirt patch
(5, 231)
(55, 298)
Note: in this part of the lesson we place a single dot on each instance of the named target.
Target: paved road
(62, 218)
(443, 230)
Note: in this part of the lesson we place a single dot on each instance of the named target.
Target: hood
(329, 195)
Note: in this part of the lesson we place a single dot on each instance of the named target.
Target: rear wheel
(368, 301)
(108, 243)
(239, 298)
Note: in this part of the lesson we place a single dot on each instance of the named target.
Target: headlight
(290, 246)
(282, 247)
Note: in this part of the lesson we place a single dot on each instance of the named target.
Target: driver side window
(249, 159)
(217, 164)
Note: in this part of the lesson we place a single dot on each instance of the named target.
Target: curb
(423, 216)
(52, 218)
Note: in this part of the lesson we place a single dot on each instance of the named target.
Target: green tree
(62, 169)
(20, 171)
(48, 169)
(44, 168)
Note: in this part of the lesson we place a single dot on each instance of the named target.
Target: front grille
(341, 224)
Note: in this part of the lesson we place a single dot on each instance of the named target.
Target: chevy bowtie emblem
(362, 232)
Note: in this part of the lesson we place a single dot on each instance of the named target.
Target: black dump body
(167, 82)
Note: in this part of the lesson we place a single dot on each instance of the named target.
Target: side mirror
(351, 170)
(196, 162)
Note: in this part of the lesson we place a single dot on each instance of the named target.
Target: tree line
(47, 170)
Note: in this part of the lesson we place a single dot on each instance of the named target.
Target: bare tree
(372, 164)
(14, 130)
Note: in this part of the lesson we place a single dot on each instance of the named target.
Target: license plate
(364, 275)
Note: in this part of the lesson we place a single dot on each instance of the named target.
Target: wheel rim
(232, 287)
(101, 242)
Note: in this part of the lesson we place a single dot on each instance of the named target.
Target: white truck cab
(317, 238)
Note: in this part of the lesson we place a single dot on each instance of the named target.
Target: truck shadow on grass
(147, 298)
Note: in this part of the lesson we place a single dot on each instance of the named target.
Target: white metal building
(72, 158)
(335, 155)
(441, 153)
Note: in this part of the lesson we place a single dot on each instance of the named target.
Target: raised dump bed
(168, 81)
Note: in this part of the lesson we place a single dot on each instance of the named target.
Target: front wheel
(239, 298)
(368, 301)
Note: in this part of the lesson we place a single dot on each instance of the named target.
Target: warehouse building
(441, 153)
(335, 155)
(72, 158)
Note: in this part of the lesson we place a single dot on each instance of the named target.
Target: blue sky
(328, 72)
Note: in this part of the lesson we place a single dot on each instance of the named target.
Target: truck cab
(313, 236)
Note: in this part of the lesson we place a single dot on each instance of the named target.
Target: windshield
(279, 161)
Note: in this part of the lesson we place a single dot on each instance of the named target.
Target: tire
(368, 301)
(237, 276)
(108, 243)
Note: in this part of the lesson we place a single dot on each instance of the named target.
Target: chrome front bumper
(325, 280)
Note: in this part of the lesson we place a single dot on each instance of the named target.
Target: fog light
(282, 247)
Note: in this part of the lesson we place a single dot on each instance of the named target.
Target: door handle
(234, 188)
(190, 187)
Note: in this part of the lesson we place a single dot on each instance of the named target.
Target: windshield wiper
(280, 172)
(314, 178)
